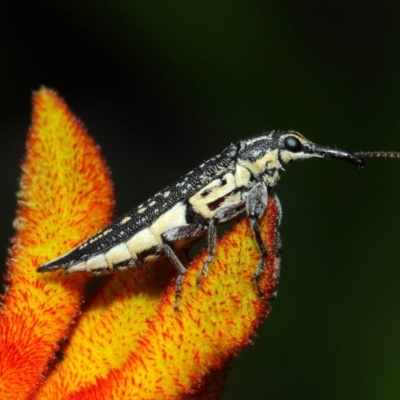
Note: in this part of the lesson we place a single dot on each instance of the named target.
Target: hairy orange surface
(65, 195)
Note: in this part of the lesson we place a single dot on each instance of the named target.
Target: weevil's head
(294, 146)
(267, 154)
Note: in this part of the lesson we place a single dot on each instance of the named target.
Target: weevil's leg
(212, 241)
(181, 272)
(224, 214)
(256, 204)
(172, 235)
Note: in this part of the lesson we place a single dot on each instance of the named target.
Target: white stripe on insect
(267, 162)
(148, 238)
(97, 262)
(174, 217)
(99, 236)
(80, 267)
(212, 192)
(117, 254)
(242, 176)
(141, 241)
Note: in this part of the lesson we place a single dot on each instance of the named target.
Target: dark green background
(163, 85)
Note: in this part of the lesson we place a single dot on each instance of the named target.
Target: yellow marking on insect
(96, 262)
(76, 267)
(242, 176)
(141, 241)
(287, 156)
(215, 190)
(270, 159)
(100, 235)
(117, 254)
(125, 219)
(172, 218)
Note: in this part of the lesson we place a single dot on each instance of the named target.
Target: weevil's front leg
(183, 232)
(224, 214)
(256, 204)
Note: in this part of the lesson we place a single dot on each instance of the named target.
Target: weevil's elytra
(236, 181)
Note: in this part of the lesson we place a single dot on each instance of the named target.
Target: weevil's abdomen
(119, 257)
(96, 257)
(142, 247)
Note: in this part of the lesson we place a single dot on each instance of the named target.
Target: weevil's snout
(356, 159)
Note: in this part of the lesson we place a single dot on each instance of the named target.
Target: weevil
(236, 181)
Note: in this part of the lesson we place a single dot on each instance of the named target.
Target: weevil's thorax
(260, 155)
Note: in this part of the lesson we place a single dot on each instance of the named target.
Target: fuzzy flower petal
(65, 196)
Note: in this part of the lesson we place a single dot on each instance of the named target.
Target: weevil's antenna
(385, 154)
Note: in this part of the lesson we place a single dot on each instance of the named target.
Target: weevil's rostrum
(236, 181)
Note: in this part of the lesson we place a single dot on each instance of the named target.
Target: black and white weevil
(236, 181)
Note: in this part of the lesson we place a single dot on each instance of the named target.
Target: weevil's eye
(293, 144)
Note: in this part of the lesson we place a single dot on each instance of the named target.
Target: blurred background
(164, 85)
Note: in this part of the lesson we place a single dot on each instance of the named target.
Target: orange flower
(127, 341)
